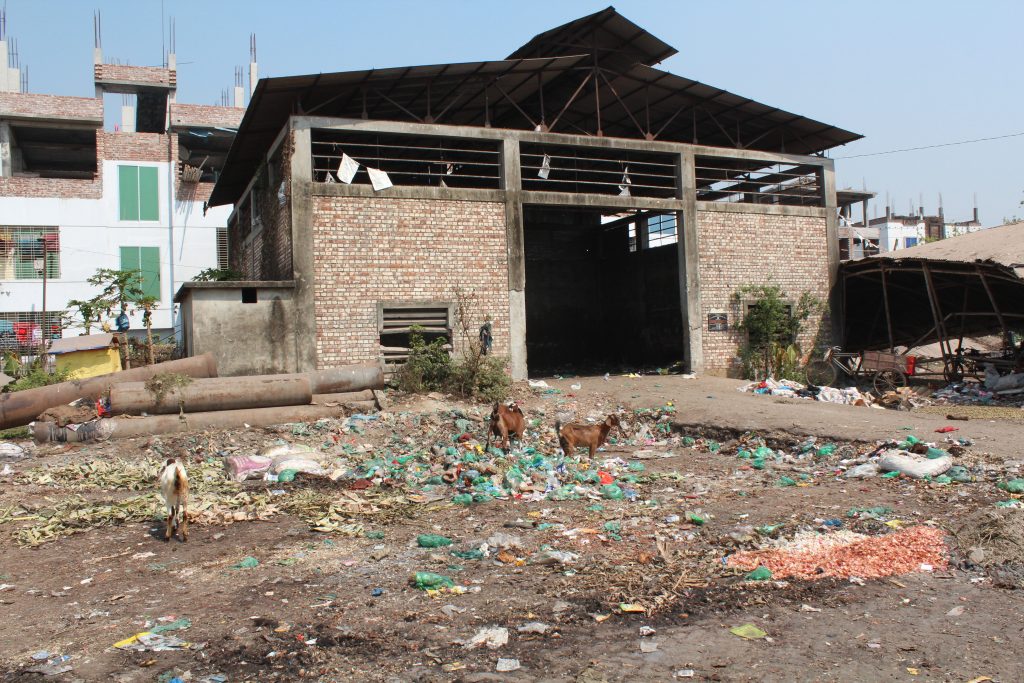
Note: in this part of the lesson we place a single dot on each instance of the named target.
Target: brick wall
(267, 253)
(368, 250)
(32, 105)
(67, 188)
(135, 74)
(198, 115)
(741, 249)
(121, 146)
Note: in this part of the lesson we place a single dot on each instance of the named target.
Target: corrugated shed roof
(83, 343)
(1003, 246)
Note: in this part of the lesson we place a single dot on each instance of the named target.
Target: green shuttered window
(137, 190)
(147, 261)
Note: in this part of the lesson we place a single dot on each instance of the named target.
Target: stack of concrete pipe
(210, 402)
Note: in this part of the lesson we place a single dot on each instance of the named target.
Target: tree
(88, 312)
(147, 304)
(121, 289)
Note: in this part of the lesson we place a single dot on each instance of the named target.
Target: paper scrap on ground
(748, 631)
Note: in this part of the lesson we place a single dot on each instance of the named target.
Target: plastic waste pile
(974, 393)
(790, 389)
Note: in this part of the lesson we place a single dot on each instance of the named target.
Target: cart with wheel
(888, 371)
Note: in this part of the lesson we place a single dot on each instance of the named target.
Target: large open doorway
(602, 290)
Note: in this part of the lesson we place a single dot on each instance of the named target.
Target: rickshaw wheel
(888, 380)
(822, 374)
(953, 371)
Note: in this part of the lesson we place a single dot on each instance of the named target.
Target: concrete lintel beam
(600, 201)
(423, 192)
(765, 209)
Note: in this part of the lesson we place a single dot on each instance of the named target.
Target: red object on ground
(901, 552)
(605, 477)
(947, 429)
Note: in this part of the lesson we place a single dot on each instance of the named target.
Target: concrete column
(6, 170)
(828, 184)
(689, 273)
(512, 183)
(302, 250)
(127, 118)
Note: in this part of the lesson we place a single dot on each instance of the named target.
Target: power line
(944, 144)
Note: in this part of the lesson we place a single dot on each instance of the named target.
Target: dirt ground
(338, 605)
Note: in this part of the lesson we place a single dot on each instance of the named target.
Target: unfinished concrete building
(599, 212)
(75, 196)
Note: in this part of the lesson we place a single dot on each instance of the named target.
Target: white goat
(174, 489)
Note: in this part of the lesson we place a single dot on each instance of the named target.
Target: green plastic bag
(432, 541)
(1012, 486)
(786, 481)
(762, 573)
(462, 499)
(827, 449)
(247, 563)
(474, 554)
(429, 580)
(285, 476)
(611, 492)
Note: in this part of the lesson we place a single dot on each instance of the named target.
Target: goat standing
(505, 421)
(574, 435)
(174, 489)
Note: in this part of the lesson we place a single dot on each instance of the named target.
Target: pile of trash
(789, 389)
(365, 465)
(913, 458)
(977, 394)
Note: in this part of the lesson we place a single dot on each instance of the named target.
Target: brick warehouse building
(603, 213)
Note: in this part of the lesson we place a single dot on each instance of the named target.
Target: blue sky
(904, 73)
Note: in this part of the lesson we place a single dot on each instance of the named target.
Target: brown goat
(574, 435)
(506, 421)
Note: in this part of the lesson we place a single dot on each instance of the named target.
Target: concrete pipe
(345, 378)
(218, 393)
(125, 428)
(21, 407)
(346, 397)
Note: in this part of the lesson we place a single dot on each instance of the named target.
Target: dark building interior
(602, 291)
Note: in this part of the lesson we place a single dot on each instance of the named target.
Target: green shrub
(38, 377)
(430, 367)
(772, 326)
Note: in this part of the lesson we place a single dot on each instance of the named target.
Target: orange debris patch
(901, 552)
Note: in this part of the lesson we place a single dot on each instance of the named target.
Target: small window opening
(400, 323)
(249, 295)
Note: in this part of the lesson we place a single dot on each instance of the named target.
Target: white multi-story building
(75, 197)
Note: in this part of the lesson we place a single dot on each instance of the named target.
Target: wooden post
(995, 307)
(933, 299)
(888, 313)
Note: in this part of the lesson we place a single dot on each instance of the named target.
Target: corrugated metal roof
(617, 40)
(1003, 246)
(512, 93)
(82, 343)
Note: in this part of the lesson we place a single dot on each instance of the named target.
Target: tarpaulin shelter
(941, 291)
